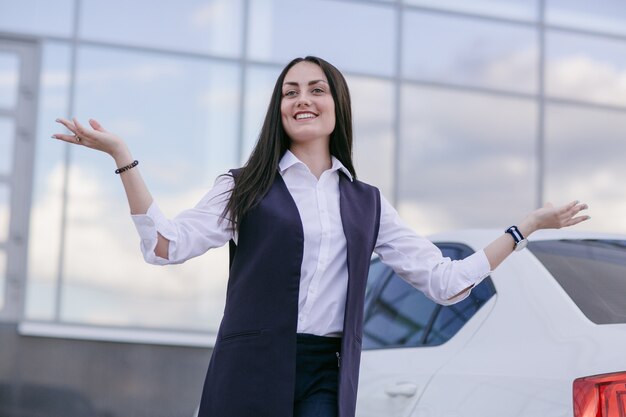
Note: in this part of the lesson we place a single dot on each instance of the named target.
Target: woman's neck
(316, 158)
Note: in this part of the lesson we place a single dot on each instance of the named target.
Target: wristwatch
(520, 240)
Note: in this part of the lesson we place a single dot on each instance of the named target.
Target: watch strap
(520, 241)
(517, 235)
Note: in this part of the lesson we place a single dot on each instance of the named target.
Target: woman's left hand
(550, 217)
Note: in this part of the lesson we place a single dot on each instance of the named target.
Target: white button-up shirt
(324, 272)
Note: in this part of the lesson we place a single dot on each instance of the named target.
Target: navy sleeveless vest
(252, 368)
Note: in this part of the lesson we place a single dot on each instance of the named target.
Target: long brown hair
(258, 173)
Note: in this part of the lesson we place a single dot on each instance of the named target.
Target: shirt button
(301, 318)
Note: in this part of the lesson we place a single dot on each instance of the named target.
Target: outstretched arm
(547, 217)
(137, 193)
(421, 263)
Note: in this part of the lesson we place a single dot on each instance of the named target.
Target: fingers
(80, 132)
(91, 135)
(576, 208)
(569, 215)
(96, 125)
(80, 129)
(66, 138)
(570, 209)
(571, 205)
(69, 125)
(576, 220)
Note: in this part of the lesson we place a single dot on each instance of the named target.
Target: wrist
(122, 156)
(527, 227)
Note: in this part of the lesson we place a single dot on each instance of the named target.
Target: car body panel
(382, 369)
(517, 356)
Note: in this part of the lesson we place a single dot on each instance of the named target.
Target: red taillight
(600, 395)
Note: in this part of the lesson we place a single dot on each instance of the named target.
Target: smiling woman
(305, 85)
(301, 231)
(308, 109)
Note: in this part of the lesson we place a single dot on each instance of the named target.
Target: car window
(592, 273)
(450, 319)
(398, 315)
(377, 276)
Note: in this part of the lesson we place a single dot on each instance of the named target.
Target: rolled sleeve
(419, 262)
(472, 270)
(148, 225)
(192, 232)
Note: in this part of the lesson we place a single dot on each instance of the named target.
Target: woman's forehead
(305, 72)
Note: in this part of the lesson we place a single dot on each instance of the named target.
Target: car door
(407, 338)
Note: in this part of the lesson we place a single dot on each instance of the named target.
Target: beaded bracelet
(127, 167)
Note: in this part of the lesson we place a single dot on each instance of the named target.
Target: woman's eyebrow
(310, 82)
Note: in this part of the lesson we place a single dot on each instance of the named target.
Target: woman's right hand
(96, 138)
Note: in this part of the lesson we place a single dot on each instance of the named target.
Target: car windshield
(592, 272)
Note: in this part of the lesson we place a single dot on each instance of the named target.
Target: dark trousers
(317, 376)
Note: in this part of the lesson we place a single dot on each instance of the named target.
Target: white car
(543, 336)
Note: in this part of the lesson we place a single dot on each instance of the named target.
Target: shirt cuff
(476, 268)
(148, 225)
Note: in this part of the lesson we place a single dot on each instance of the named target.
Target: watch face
(521, 244)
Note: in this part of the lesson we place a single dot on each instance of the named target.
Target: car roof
(478, 238)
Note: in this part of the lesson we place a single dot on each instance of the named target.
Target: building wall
(46, 377)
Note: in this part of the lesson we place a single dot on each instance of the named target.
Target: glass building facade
(467, 114)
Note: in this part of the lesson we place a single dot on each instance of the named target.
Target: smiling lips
(305, 115)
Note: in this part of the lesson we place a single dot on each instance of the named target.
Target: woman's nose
(303, 100)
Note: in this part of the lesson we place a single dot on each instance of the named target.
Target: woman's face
(307, 107)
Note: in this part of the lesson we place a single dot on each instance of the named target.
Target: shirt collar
(289, 159)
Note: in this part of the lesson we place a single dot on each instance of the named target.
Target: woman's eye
(290, 93)
(318, 90)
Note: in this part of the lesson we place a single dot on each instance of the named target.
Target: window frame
(19, 178)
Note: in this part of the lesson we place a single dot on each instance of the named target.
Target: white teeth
(304, 116)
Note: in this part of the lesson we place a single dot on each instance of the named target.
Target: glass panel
(3, 274)
(340, 32)
(5, 205)
(398, 317)
(520, 9)
(591, 272)
(373, 114)
(450, 319)
(378, 273)
(585, 68)
(464, 158)
(384, 321)
(45, 214)
(601, 15)
(209, 26)
(259, 86)
(37, 16)
(478, 53)
(179, 117)
(584, 156)
(7, 138)
(9, 79)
